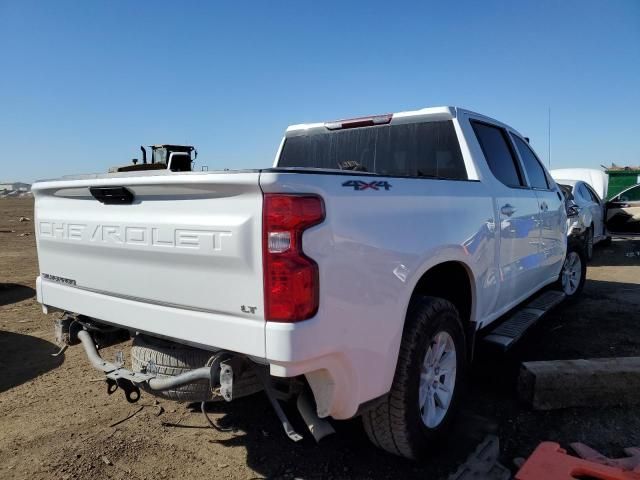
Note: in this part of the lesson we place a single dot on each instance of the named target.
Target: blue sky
(83, 84)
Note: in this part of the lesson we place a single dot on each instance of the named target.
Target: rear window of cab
(426, 149)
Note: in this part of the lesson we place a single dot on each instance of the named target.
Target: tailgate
(187, 241)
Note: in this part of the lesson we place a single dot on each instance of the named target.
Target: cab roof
(410, 116)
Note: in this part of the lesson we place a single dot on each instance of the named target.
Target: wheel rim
(571, 273)
(437, 379)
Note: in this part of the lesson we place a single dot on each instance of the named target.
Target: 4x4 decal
(360, 185)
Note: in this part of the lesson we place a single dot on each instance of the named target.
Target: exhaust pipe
(319, 427)
(144, 154)
(117, 376)
(168, 383)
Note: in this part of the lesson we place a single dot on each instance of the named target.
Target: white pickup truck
(359, 270)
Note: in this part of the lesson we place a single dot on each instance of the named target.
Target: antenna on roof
(549, 139)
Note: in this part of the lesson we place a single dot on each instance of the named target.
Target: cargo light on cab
(359, 122)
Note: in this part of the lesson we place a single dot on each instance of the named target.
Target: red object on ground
(550, 462)
(631, 462)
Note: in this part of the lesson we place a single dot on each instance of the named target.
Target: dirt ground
(57, 421)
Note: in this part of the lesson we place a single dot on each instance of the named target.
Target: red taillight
(290, 277)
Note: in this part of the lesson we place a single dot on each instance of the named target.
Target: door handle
(544, 207)
(508, 210)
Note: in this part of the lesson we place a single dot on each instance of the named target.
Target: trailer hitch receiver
(131, 391)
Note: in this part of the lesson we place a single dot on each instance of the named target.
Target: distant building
(16, 187)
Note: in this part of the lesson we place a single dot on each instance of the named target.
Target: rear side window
(535, 172)
(584, 192)
(428, 149)
(594, 196)
(496, 149)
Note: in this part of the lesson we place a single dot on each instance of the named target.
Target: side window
(587, 194)
(631, 195)
(595, 196)
(535, 172)
(584, 193)
(550, 181)
(496, 149)
(592, 194)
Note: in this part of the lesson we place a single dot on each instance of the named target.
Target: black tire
(172, 359)
(395, 422)
(577, 249)
(588, 243)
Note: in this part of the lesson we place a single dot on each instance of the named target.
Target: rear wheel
(573, 273)
(428, 381)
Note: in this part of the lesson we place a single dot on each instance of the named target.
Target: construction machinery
(177, 158)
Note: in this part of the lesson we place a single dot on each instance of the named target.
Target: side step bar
(505, 335)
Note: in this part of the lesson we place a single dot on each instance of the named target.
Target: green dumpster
(620, 179)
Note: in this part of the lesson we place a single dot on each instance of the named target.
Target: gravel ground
(56, 417)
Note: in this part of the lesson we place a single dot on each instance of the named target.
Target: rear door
(552, 211)
(518, 213)
(623, 212)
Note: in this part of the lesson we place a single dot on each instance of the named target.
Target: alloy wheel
(571, 273)
(437, 379)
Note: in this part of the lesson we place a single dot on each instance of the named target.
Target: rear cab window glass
(535, 171)
(498, 153)
(426, 149)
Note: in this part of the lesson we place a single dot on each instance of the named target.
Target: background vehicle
(355, 275)
(623, 212)
(177, 158)
(596, 179)
(574, 270)
(591, 213)
(576, 224)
